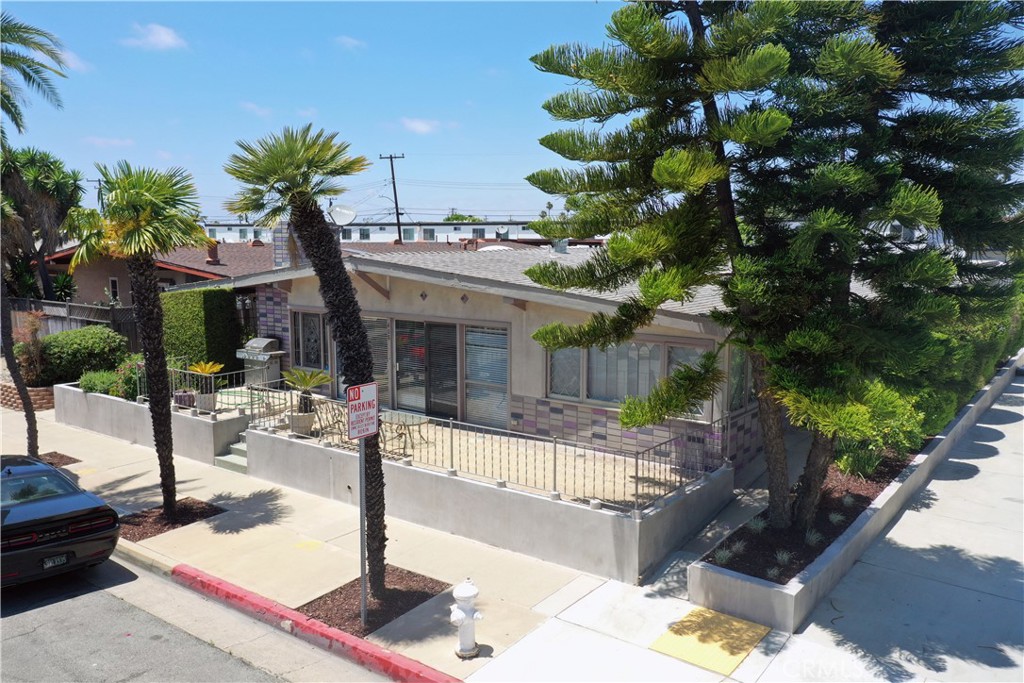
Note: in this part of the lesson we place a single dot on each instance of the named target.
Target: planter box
(787, 607)
(41, 397)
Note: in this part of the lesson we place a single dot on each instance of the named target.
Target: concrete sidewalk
(939, 597)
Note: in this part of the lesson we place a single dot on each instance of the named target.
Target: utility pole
(394, 190)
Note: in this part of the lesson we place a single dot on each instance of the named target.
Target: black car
(49, 525)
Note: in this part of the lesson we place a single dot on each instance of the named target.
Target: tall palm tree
(42, 191)
(287, 176)
(145, 212)
(12, 221)
(23, 50)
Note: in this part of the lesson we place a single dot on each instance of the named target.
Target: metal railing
(544, 465)
(222, 391)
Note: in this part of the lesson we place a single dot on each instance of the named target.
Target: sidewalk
(938, 597)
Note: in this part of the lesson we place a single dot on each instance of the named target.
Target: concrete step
(233, 462)
(239, 449)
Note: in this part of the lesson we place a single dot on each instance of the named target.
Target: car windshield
(21, 489)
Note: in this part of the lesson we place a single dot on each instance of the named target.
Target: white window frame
(479, 233)
(364, 234)
(408, 234)
(297, 352)
(666, 344)
(429, 234)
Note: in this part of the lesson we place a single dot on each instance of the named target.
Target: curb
(362, 652)
(143, 557)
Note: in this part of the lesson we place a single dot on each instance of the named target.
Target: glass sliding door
(426, 368)
(410, 366)
(442, 371)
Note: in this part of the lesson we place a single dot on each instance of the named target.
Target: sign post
(362, 422)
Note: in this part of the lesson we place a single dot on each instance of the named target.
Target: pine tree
(830, 132)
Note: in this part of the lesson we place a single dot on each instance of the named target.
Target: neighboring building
(451, 325)
(105, 280)
(387, 232)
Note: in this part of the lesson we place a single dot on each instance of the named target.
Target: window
(408, 234)
(346, 233)
(631, 369)
(479, 233)
(113, 292)
(308, 340)
(625, 370)
(212, 232)
(364, 234)
(741, 391)
(256, 233)
(564, 373)
(243, 234)
(428, 235)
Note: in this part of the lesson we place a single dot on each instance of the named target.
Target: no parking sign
(362, 410)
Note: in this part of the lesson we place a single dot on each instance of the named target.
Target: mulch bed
(405, 591)
(843, 495)
(150, 523)
(58, 459)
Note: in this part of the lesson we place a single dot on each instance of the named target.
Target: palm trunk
(6, 323)
(823, 451)
(149, 317)
(353, 347)
(770, 417)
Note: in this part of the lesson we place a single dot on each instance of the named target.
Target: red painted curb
(363, 652)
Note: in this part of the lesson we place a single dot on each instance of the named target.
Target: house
(105, 280)
(450, 325)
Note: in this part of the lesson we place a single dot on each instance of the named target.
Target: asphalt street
(119, 623)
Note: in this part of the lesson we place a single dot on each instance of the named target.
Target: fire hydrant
(464, 615)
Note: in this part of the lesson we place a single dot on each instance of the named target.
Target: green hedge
(202, 325)
(69, 354)
(99, 382)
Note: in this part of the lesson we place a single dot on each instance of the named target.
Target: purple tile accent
(530, 424)
(629, 435)
(599, 411)
(569, 425)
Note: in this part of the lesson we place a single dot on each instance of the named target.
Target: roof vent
(212, 258)
(256, 243)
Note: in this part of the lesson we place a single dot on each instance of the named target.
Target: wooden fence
(59, 317)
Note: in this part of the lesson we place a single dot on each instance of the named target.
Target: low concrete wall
(787, 607)
(601, 542)
(195, 437)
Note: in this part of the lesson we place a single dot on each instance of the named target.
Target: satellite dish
(341, 214)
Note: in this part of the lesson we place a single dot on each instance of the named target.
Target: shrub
(68, 355)
(99, 382)
(757, 524)
(783, 557)
(29, 351)
(722, 556)
(127, 386)
(813, 538)
(860, 461)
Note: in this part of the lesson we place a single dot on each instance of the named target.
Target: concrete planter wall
(195, 437)
(601, 542)
(787, 607)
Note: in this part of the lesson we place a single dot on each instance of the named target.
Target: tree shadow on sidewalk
(259, 508)
(934, 609)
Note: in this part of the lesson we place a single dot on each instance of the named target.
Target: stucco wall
(602, 542)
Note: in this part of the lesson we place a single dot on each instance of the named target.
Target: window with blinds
(378, 331)
(486, 378)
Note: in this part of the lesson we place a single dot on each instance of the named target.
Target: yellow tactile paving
(711, 640)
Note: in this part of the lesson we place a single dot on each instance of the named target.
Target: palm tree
(21, 47)
(42, 191)
(288, 175)
(12, 221)
(145, 212)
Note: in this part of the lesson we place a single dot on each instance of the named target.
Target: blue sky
(449, 85)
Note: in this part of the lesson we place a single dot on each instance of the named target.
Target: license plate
(55, 561)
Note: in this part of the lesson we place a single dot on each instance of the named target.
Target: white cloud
(96, 141)
(420, 126)
(350, 43)
(74, 62)
(256, 109)
(307, 113)
(154, 37)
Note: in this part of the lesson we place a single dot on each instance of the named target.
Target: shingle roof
(236, 258)
(506, 267)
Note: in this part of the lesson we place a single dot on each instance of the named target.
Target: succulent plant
(836, 518)
(757, 524)
(813, 538)
(773, 573)
(783, 557)
(722, 556)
